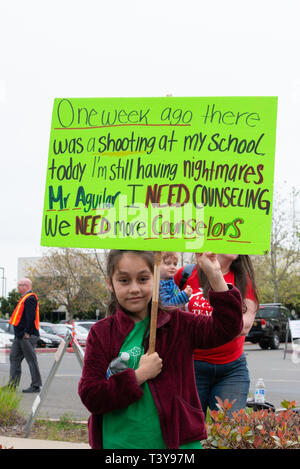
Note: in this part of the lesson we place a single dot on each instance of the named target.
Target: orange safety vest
(17, 314)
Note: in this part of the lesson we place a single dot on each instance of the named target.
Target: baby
(170, 295)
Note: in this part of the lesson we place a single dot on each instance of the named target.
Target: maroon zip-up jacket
(173, 390)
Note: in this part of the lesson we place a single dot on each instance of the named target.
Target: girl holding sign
(153, 403)
(222, 371)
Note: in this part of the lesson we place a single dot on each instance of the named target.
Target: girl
(153, 403)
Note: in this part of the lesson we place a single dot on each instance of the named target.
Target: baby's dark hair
(113, 260)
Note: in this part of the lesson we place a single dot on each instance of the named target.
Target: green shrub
(250, 429)
(9, 405)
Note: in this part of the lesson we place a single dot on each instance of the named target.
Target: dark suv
(269, 327)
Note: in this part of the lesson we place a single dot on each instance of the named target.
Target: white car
(86, 324)
(81, 333)
(6, 339)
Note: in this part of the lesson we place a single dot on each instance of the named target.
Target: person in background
(170, 295)
(25, 320)
(222, 371)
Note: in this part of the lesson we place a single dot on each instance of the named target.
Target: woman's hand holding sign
(210, 265)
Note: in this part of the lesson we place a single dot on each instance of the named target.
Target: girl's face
(132, 283)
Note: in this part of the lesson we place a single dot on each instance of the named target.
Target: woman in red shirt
(222, 371)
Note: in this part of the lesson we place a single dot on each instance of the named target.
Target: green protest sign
(162, 174)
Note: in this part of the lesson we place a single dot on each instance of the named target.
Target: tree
(277, 272)
(8, 304)
(72, 278)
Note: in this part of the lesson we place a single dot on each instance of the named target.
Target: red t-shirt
(199, 305)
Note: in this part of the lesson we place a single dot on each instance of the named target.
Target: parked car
(6, 327)
(55, 340)
(81, 333)
(43, 340)
(60, 330)
(86, 324)
(6, 339)
(49, 329)
(270, 325)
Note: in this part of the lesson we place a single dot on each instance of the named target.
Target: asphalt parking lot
(281, 376)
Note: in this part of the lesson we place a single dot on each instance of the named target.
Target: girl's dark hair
(113, 259)
(243, 271)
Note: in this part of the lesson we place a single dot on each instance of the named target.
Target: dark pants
(229, 381)
(24, 348)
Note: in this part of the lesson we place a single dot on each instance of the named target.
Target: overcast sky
(131, 48)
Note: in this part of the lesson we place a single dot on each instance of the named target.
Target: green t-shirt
(136, 426)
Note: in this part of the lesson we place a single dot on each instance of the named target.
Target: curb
(21, 442)
(8, 442)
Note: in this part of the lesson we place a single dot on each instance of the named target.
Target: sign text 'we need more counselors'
(162, 174)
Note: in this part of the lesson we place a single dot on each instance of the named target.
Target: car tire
(264, 344)
(275, 341)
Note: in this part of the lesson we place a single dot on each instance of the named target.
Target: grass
(12, 422)
(64, 429)
(9, 405)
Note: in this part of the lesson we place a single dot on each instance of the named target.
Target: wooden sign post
(155, 297)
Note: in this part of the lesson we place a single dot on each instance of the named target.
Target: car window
(48, 329)
(285, 312)
(267, 313)
(4, 326)
(60, 329)
(87, 325)
(80, 329)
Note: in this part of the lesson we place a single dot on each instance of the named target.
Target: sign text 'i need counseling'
(162, 174)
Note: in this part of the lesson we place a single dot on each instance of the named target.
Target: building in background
(25, 263)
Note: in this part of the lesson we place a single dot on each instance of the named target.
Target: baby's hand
(149, 367)
(188, 290)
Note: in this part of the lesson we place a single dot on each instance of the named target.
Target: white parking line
(67, 376)
(282, 380)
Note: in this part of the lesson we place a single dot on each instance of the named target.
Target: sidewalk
(8, 442)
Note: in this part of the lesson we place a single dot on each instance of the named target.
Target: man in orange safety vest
(26, 322)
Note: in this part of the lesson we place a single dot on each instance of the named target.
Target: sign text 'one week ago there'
(162, 174)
